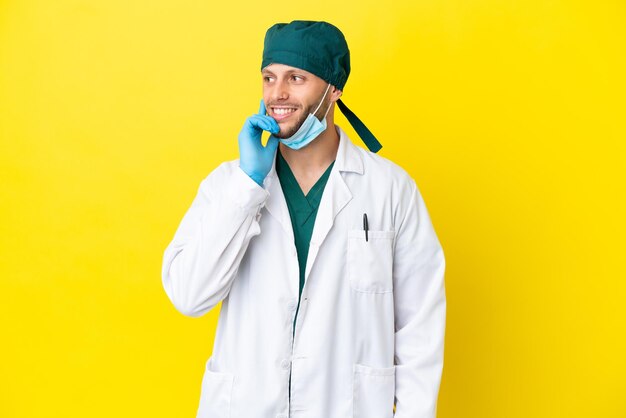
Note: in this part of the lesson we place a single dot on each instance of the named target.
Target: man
(323, 255)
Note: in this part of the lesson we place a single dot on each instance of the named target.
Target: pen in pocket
(365, 225)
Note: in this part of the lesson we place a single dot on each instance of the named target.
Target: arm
(201, 262)
(420, 311)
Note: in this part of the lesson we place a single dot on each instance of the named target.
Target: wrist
(257, 177)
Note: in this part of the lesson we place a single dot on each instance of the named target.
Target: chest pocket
(370, 263)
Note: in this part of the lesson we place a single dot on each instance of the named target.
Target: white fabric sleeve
(201, 262)
(420, 312)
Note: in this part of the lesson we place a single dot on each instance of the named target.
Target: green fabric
(302, 211)
(317, 47)
(366, 135)
(321, 49)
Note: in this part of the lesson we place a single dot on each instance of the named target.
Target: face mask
(309, 130)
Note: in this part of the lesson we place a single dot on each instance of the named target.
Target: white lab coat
(370, 327)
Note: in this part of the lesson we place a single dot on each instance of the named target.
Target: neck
(312, 160)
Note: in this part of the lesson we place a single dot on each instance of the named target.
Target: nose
(279, 91)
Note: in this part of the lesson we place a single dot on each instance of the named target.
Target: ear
(335, 94)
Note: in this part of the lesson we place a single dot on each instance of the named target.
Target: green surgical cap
(321, 49)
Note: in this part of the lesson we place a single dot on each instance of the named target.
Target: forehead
(285, 69)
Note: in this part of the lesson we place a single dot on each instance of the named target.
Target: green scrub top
(302, 211)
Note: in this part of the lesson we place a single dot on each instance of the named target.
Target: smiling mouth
(280, 113)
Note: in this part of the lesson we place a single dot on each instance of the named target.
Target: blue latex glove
(254, 158)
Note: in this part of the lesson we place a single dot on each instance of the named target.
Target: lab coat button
(284, 364)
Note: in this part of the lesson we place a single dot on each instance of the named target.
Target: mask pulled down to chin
(309, 130)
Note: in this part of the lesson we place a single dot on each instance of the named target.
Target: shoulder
(388, 184)
(384, 171)
(224, 170)
(219, 176)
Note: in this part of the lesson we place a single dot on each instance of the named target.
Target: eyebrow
(286, 72)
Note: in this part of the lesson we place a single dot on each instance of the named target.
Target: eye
(267, 78)
(297, 77)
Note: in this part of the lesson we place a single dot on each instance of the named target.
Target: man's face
(290, 94)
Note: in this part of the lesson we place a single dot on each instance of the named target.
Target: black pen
(365, 225)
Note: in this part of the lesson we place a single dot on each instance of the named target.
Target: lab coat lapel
(276, 204)
(336, 195)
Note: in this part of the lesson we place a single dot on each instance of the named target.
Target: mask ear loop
(319, 105)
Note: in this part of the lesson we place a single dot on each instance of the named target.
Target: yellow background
(509, 114)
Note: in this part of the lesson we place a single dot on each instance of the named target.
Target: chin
(285, 133)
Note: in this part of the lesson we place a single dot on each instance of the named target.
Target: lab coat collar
(276, 204)
(347, 159)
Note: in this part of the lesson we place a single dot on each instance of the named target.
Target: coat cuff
(245, 192)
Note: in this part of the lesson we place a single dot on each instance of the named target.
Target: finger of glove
(274, 128)
(262, 109)
(254, 125)
(262, 122)
(273, 125)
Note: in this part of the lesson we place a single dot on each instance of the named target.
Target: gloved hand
(254, 158)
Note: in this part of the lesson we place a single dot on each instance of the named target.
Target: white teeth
(283, 111)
